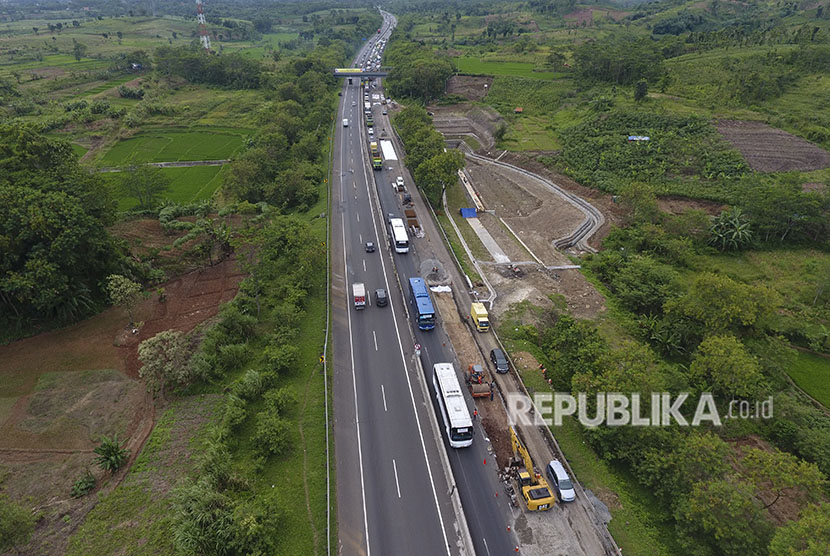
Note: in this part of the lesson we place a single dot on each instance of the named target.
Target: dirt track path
(178, 164)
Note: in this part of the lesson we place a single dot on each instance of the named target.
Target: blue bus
(419, 297)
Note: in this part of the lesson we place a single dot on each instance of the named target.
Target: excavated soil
(533, 212)
(767, 149)
(612, 211)
(469, 87)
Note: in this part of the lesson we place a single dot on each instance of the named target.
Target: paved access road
(391, 489)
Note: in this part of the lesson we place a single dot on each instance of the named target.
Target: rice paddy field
(187, 185)
(164, 145)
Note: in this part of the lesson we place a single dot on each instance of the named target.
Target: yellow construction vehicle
(534, 488)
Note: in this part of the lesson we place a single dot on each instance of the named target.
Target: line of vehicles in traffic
(536, 491)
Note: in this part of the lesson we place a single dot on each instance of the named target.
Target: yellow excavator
(534, 488)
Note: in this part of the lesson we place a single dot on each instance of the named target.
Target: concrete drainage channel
(593, 217)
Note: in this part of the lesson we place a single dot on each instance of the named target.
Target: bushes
(597, 153)
(83, 485)
(130, 92)
(641, 283)
(16, 524)
(273, 434)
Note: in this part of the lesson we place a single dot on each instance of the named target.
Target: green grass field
(173, 146)
(812, 374)
(477, 66)
(110, 84)
(186, 184)
(529, 133)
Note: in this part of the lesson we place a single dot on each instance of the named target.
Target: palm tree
(730, 230)
(111, 454)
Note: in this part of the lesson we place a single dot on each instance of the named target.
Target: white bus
(400, 239)
(454, 410)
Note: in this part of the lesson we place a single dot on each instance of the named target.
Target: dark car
(370, 247)
(380, 297)
(499, 360)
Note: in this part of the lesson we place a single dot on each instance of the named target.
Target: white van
(345, 122)
(560, 481)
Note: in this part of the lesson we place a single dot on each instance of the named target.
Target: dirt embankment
(69, 387)
(604, 202)
(462, 120)
(470, 87)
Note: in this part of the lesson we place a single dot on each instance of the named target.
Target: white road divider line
(397, 484)
(383, 394)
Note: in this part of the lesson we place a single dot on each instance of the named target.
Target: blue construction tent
(468, 212)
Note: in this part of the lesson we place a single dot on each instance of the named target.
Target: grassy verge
(529, 133)
(456, 199)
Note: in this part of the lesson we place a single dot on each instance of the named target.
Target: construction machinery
(477, 380)
(535, 490)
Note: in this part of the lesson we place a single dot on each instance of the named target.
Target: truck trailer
(359, 292)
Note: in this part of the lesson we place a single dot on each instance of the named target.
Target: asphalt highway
(392, 492)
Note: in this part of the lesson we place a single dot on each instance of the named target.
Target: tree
(643, 284)
(263, 23)
(556, 60)
(165, 361)
(35, 29)
(111, 454)
(809, 536)
(720, 303)
(435, 174)
(55, 250)
(144, 183)
(775, 473)
(722, 365)
(119, 34)
(640, 201)
(124, 292)
(210, 235)
(78, 50)
(730, 230)
(640, 90)
(723, 516)
(782, 211)
(694, 458)
(16, 524)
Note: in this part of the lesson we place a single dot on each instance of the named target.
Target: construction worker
(492, 389)
(475, 414)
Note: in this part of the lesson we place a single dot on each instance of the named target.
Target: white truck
(359, 292)
(345, 122)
